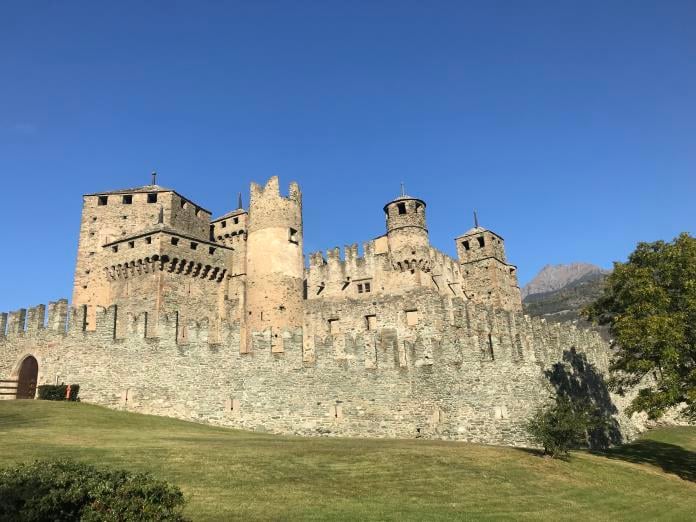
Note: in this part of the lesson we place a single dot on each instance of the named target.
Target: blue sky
(569, 125)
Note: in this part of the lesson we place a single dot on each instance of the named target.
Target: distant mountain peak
(555, 277)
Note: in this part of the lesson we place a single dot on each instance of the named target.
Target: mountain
(560, 292)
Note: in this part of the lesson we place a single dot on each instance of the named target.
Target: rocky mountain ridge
(559, 292)
(555, 277)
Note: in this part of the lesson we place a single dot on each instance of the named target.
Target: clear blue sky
(570, 125)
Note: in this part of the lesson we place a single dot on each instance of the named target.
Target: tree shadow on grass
(671, 458)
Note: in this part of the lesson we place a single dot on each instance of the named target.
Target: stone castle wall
(475, 376)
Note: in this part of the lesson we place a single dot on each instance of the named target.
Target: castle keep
(222, 321)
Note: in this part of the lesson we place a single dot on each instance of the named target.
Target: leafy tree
(563, 425)
(649, 304)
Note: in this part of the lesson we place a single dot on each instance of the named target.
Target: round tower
(407, 233)
(275, 267)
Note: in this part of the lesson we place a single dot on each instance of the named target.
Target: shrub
(67, 491)
(58, 392)
(562, 425)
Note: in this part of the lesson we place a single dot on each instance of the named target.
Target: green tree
(562, 425)
(649, 304)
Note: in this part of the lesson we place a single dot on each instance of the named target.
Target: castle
(221, 321)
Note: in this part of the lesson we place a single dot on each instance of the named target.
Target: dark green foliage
(563, 425)
(67, 491)
(649, 304)
(58, 392)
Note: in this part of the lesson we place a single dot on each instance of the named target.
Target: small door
(28, 373)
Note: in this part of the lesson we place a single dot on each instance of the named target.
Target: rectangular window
(194, 246)
(411, 317)
(131, 244)
(371, 322)
(235, 220)
(367, 287)
(103, 200)
(223, 224)
(333, 326)
(401, 207)
(128, 199)
(152, 197)
(114, 248)
(148, 240)
(360, 288)
(466, 245)
(481, 241)
(292, 236)
(175, 241)
(182, 203)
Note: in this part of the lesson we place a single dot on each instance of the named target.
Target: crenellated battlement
(474, 333)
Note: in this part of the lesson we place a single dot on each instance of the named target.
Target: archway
(28, 374)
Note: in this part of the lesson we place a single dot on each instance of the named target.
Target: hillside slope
(236, 475)
(555, 277)
(559, 293)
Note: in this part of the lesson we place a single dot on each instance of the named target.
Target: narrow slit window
(360, 288)
(367, 287)
(481, 241)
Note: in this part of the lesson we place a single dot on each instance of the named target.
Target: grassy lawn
(227, 474)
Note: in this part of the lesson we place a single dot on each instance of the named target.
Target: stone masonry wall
(475, 375)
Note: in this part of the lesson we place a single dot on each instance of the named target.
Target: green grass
(227, 474)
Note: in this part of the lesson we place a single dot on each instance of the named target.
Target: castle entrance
(28, 374)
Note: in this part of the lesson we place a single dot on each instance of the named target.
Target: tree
(649, 304)
(562, 425)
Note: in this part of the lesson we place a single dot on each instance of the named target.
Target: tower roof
(404, 197)
(477, 230)
(144, 188)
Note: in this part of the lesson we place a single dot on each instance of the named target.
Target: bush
(563, 425)
(67, 491)
(58, 392)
